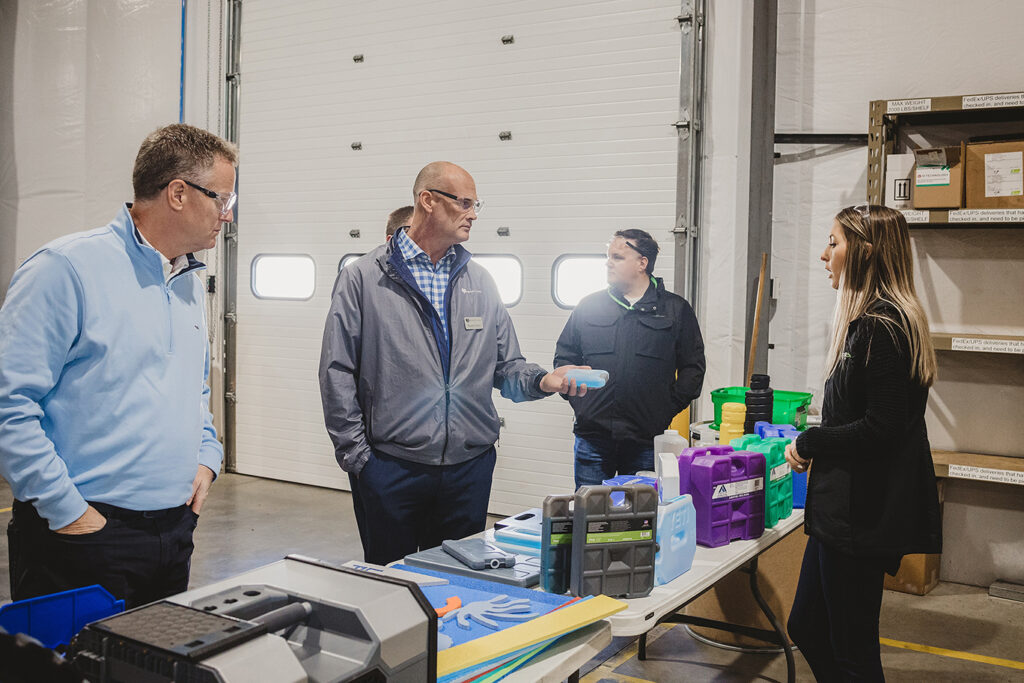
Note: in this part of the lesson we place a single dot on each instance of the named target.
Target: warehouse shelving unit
(898, 125)
(999, 113)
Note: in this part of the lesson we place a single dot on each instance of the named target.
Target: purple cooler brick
(728, 496)
(686, 460)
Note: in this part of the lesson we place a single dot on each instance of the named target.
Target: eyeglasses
(635, 248)
(464, 203)
(226, 201)
(630, 245)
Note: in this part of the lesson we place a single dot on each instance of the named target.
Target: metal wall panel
(589, 92)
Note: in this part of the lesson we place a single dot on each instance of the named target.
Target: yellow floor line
(5, 509)
(955, 654)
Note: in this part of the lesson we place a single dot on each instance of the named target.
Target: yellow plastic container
(733, 416)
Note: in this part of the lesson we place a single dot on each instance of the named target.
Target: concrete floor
(249, 522)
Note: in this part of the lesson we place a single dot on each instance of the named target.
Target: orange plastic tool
(454, 602)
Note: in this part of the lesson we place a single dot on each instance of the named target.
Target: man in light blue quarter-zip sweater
(106, 435)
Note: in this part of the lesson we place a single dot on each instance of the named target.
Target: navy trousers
(834, 620)
(137, 556)
(402, 507)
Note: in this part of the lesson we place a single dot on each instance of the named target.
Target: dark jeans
(600, 459)
(137, 556)
(834, 620)
(402, 507)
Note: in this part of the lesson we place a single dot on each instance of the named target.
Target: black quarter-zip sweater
(653, 352)
(871, 491)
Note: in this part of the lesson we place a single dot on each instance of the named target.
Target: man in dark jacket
(649, 342)
(416, 338)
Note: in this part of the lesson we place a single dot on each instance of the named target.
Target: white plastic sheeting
(82, 84)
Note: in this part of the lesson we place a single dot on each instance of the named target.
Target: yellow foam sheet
(520, 636)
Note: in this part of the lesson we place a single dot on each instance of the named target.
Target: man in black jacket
(649, 342)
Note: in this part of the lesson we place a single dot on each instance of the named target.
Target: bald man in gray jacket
(415, 340)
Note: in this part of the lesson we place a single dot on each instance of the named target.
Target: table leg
(774, 621)
(641, 647)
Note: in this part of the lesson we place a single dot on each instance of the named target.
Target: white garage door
(561, 109)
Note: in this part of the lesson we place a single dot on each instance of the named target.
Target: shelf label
(1003, 177)
(988, 345)
(906, 106)
(914, 216)
(1006, 99)
(986, 474)
(987, 216)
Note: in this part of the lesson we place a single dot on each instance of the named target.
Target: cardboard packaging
(899, 181)
(918, 574)
(939, 178)
(995, 177)
(730, 600)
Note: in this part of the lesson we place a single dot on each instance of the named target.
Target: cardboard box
(730, 600)
(918, 574)
(995, 177)
(939, 178)
(899, 181)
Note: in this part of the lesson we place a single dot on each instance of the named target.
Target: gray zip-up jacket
(388, 380)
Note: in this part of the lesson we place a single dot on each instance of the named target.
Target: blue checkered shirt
(432, 280)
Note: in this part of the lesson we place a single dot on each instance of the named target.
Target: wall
(726, 192)
(834, 57)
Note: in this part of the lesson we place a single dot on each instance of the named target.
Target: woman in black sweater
(871, 494)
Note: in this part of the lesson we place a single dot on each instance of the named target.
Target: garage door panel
(589, 91)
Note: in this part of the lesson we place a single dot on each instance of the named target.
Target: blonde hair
(879, 268)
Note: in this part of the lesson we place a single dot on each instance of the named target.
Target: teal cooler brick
(778, 502)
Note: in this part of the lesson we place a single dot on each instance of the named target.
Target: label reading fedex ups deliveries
(1006, 99)
(738, 488)
(619, 530)
(561, 533)
(779, 471)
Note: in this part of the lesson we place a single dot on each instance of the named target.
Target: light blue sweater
(103, 377)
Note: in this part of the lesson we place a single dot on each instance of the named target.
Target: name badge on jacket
(474, 323)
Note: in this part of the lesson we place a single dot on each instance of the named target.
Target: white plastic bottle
(667, 448)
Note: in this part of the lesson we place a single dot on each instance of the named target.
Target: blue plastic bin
(55, 619)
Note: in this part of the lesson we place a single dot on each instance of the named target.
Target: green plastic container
(788, 407)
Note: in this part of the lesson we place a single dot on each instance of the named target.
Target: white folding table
(709, 566)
